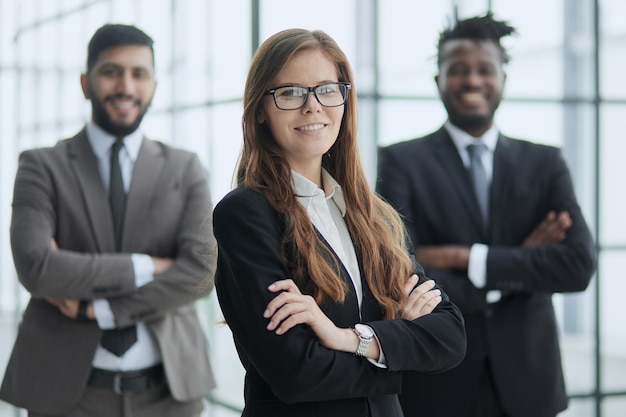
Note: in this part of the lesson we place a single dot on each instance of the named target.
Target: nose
(126, 83)
(473, 79)
(312, 103)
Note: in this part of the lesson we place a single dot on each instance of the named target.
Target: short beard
(470, 122)
(103, 120)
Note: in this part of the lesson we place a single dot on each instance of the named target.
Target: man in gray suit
(111, 235)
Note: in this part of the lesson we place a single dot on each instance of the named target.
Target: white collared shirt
(477, 264)
(145, 352)
(326, 209)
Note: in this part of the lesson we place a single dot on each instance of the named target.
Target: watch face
(364, 331)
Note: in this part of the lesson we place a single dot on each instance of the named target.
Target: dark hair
(484, 28)
(111, 35)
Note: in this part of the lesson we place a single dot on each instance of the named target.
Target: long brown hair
(376, 229)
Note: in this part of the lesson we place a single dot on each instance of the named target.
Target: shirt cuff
(143, 268)
(477, 270)
(381, 362)
(477, 265)
(104, 314)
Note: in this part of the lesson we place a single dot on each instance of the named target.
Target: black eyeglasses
(293, 97)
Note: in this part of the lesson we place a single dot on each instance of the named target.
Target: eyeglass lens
(294, 97)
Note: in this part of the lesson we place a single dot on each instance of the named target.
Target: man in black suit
(499, 258)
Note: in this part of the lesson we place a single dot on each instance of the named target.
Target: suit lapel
(504, 162)
(148, 167)
(84, 163)
(448, 156)
(350, 307)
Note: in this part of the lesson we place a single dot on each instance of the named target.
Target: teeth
(472, 97)
(312, 127)
(123, 104)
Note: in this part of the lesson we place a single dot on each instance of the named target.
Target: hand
(54, 245)
(550, 231)
(69, 308)
(444, 256)
(161, 264)
(420, 300)
(291, 307)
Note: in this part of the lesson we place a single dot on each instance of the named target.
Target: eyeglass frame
(272, 92)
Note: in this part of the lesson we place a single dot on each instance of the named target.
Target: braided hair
(484, 28)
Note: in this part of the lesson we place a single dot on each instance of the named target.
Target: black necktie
(118, 341)
(479, 179)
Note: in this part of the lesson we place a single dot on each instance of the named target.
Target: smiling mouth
(317, 126)
(122, 102)
(472, 98)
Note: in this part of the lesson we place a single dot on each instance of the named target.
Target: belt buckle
(117, 383)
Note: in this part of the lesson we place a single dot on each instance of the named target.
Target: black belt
(130, 381)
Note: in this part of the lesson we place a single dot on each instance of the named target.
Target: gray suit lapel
(84, 163)
(143, 187)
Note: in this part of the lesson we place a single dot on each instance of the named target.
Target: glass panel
(612, 174)
(407, 119)
(225, 362)
(537, 122)
(536, 63)
(277, 15)
(612, 49)
(228, 53)
(407, 40)
(613, 344)
(614, 406)
(575, 315)
(226, 140)
(583, 407)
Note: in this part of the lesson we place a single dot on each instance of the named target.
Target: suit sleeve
(295, 365)
(566, 266)
(43, 270)
(191, 275)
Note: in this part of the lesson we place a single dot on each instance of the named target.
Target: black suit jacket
(293, 374)
(425, 179)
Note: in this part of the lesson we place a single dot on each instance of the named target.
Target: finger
(430, 305)
(293, 320)
(423, 288)
(276, 303)
(410, 284)
(284, 285)
(565, 220)
(285, 312)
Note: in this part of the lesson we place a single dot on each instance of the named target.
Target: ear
(84, 82)
(437, 81)
(260, 117)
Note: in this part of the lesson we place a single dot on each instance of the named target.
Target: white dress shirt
(145, 352)
(326, 209)
(477, 265)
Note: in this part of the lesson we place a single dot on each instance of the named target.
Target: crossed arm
(552, 230)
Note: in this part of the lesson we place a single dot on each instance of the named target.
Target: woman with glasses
(314, 276)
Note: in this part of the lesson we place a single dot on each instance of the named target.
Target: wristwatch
(365, 334)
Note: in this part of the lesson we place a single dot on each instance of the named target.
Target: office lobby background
(566, 86)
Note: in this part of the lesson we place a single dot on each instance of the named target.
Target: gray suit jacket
(59, 195)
